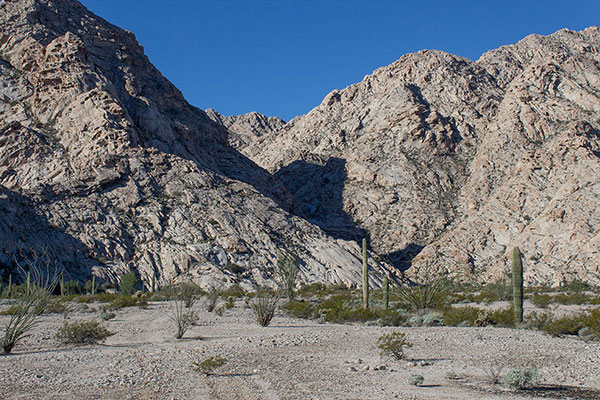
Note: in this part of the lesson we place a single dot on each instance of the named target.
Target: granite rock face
(105, 166)
(448, 163)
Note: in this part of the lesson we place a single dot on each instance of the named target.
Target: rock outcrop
(105, 166)
(448, 163)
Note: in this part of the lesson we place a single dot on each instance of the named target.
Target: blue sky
(281, 57)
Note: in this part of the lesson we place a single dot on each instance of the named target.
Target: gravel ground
(291, 359)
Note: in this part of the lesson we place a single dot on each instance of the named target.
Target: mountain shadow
(318, 190)
(25, 232)
(402, 259)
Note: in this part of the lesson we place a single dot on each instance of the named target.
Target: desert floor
(291, 359)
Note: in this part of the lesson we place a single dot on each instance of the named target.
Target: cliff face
(454, 162)
(104, 164)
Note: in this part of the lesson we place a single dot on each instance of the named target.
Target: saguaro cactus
(9, 285)
(153, 283)
(93, 285)
(517, 284)
(365, 276)
(386, 292)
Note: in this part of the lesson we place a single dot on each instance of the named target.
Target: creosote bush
(82, 332)
(393, 345)
(208, 365)
(127, 301)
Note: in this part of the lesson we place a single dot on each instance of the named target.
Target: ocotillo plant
(517, 284)
(386, 292)
(365, 276)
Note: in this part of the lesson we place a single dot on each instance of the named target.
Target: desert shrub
(572, 298)
(287, 273)
(188, 292)
(183, 319)
(541, 300)
(577, 285)
(106, 315)
(493, 372)
(341, 315)
(537, 320)
(392, 317)
(565, 325)
(264, 306)
(212, 298)
(234, 290)
(300, 309)
(496, 291)
(123, 301)
(430, 295)
(72, 287)
(318, 289)
(55, 307)
(503, 317)
(82, 332)
(416, 379)
(423, 318)
(12, 310)
(591, 321)
(209, 365)
(461, 316)
(230, 303)
(393, 345)
(128, 283)
(520, 378)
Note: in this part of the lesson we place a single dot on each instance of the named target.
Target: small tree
(393, 345)
(129, 282)
(287, 274)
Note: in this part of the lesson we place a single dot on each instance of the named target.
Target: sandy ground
(291, 359)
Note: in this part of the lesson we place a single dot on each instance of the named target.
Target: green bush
(503, 317)
(127, 301)
(461, 316)
(520, 378)
(209, 365)
(55, 307)
(107, 315)
(572, 298)
(72, 287)
(128, 283)
(416, 379)
(392, 317)
(393, 345)
(82, 332)
(541, 300)
(234, 290)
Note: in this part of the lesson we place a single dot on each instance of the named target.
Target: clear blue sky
(281, 57)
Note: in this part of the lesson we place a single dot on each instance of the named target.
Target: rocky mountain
(446, 163)
(246, 129)
(106, 167)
